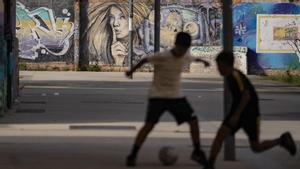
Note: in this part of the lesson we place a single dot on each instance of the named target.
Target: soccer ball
(167, 155)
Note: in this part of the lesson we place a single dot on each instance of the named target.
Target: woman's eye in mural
(122, 17)
(111, 20)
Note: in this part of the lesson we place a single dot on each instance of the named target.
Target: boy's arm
(138, 65)
(243, 103)
(241, 107)
(203, 61)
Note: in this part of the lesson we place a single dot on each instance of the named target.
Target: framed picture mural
(276, 32)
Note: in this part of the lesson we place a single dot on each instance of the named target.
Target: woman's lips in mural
(117, 31)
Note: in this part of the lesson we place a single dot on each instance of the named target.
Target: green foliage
(291, 79)
(22, 66)
(66, 68)
(41, 68)
(94, 68)
(55, 68)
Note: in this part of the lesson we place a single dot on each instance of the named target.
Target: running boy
(244, 113)
(164, 95)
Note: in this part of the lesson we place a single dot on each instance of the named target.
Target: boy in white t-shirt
(164, 95)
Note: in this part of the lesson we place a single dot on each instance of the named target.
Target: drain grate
(264, 99)
(33, 102)
(100, 127)
(30, 111)
(112, 102)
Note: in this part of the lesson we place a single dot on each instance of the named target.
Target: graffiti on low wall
(209, 53)
(42, 33)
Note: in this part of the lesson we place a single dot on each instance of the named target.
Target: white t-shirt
(167, 74)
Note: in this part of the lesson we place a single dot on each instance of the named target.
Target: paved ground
(81, 120)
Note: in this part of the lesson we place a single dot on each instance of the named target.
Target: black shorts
(179, 108)
(250, 123)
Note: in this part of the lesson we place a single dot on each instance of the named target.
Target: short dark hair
(183, 39)
(225, 57)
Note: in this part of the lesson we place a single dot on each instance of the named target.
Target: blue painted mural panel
(245, 34)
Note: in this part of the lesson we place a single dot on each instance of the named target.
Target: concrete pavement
(58, 146)
(44, 144)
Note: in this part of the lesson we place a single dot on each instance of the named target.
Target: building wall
(49, 34)
(2, 60)
(45, 30)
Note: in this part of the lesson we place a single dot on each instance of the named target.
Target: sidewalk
(59, 147)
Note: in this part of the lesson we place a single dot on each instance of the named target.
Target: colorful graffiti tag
(107, 31)
(41, 33)
(272, 47)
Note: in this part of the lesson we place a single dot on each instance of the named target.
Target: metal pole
(229, 145)
(130, 54)
(83, 61)
(156, 25)
(9, 40)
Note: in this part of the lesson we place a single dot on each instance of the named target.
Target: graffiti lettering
(39, 31)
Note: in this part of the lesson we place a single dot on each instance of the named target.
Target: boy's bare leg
(197, 155)
(139, 140)
(286, 141)
(222, 133)
(194, 129)
(258, 147)
(143, 133)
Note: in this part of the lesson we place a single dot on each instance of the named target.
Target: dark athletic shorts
(179, 108)
(249, 122)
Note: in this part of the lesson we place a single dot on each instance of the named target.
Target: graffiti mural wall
(45, 30)
(271, 32)
(106, 34)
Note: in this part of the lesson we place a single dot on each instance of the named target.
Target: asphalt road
(126, 101)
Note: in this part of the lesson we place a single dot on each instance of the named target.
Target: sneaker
(287, 142)
(199, 157)
(130, 161)
(209, 166)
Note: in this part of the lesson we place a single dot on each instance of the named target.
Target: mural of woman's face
(119, 23)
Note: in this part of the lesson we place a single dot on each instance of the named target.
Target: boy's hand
(206, 64)
(233, 121)
(128, 73)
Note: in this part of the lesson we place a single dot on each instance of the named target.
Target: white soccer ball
(167, 155)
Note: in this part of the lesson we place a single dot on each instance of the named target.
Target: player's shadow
(252, 63)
